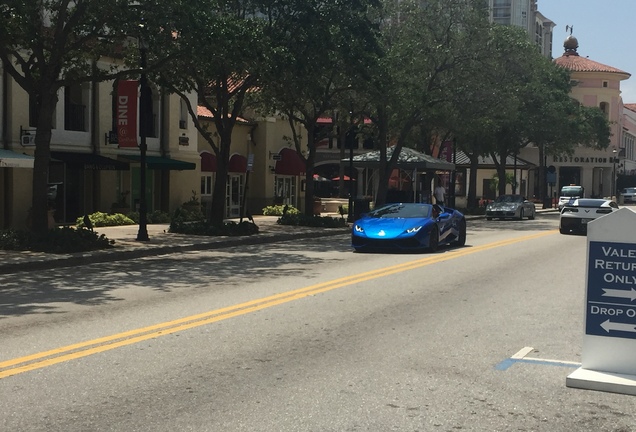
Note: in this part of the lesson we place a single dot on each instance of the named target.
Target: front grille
(408, 243)
(501, 213)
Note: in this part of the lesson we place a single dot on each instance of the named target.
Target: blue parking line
(504, 365)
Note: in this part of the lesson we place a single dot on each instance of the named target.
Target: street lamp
(142, 234)
(614, 151)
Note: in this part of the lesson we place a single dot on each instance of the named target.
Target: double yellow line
(83, 349)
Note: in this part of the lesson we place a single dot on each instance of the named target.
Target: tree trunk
(383, 173)
(340, 139)
(501, 173)
(472, 182)
(39, 203)
(309, 176)
(542, 183)
(217, 215)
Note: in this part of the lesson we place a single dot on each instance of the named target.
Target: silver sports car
(510, 207)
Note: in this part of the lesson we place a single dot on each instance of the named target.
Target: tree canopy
(418, 70)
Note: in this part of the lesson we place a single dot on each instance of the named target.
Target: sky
(603, 29)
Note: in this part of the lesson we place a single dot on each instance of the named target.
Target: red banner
(127, 113)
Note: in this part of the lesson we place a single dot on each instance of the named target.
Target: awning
(208, 162)
(89, 161)
(462, 159)
(237, 163)
(162, 163)
(407, 159)
(289, 163)
(11, 159)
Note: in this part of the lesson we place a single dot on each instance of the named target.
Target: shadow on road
(46, 292)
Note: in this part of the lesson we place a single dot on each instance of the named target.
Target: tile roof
(407, 159)
(571, 60)
(576, 63)
(487, 162)
(207, 114)
(630, 106)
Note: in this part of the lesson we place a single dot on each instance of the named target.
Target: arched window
(604, 106)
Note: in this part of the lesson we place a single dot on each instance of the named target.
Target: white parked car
(576, 214)
(629, 194)
(569, 194)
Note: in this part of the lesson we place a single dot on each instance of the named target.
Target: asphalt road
(308, 336)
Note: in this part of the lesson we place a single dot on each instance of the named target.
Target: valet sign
(611, 290)
(608, 357)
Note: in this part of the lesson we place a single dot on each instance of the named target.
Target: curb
(111, 255)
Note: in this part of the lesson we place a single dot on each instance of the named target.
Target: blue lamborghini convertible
(410, 226)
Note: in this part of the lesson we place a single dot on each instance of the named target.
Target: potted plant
(121, 206)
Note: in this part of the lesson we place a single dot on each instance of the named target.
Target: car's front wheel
(461, 236)
(532, 214)
(520, 214)
(433, 240)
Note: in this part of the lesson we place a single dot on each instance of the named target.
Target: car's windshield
(401, 211)
(590, 202)
(571, 191)
(629, 190)
(509, 199)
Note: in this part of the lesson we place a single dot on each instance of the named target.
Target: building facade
(525, 15)
(596, 85)
(89, 171)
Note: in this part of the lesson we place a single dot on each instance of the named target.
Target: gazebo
(423, 168)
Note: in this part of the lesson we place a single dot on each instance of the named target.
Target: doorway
(569, 176)
(233, 195)
(285, 190)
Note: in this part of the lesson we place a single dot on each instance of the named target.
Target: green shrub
(203, 228)
(279, 210)
(153, 217)
(99, 219)
(182, 214)
(192, 222)
(300, 219)
(57, 240)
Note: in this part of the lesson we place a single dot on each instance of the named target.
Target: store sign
(582, 159)
(609, 342)
(127, 113)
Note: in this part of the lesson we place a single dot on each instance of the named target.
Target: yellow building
(89, 171)
(264, 167)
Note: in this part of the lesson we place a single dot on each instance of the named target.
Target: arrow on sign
(608, 326)
(628, 294)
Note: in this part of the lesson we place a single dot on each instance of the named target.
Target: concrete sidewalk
(162, 242)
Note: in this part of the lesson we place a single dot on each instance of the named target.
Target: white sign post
(609, 343)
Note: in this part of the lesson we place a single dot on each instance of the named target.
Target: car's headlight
(358, 228)
(413, 230)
